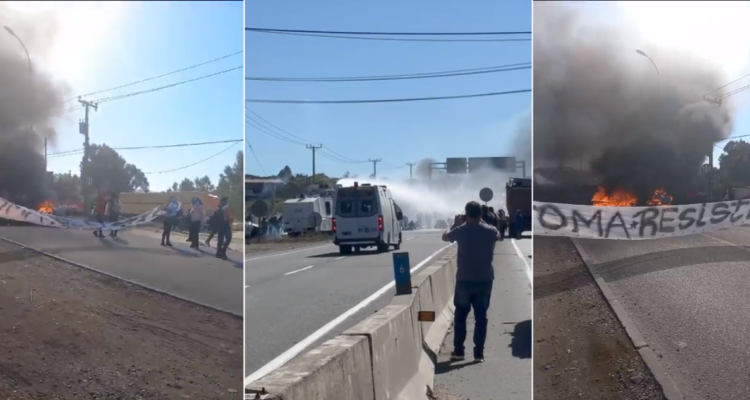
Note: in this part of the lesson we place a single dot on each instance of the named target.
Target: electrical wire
(473, 71)
(274, 30)
(80, 151)
(124, 96)
(399, 39)
(385, 100)
(193, 164)
(325, 152)
(256, 158)
(156, 77)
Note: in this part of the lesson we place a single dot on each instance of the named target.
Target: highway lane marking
(306, 342)
(529, 272)
(288, 252)
(299, 270)
(339, 258)
(409, 238)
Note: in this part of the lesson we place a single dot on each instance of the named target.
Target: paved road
(291, 295)
(689, 297)
(138, 256)
(506, 373)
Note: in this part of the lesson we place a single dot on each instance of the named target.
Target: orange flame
(46, 207)
(621, 198)
(660, 198)
(618, 198)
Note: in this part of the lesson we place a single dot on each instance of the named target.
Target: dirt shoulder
(69, 333)
(285, 243)
(581, 351)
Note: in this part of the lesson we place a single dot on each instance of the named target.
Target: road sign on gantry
(505, 164)
(455, 165)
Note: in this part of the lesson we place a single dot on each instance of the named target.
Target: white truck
(295, 214)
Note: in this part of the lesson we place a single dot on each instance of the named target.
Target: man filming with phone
(476, 246)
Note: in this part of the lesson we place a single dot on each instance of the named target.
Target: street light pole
(658, 76)
(31, 73)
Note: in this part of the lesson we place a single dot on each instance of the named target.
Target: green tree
(109, 171)
(187, 185)
(204, 184)
(734, 164)
(232, 183)
(67, 188)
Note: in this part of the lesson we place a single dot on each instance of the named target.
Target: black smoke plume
(29, 103)
(598, 103)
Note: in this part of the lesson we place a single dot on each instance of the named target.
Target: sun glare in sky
(717, 31)
(81, 31)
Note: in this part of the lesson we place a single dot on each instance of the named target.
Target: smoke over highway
(599, 103)
(446, 195)
(27, 99)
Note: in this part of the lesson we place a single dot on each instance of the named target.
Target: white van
(366, 216)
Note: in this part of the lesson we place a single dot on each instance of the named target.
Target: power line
(384, 100)
(158, 76)
(166, 146)
(274, 30)
(256, 158)
(401, 39)
(473, 71)
(120, 97)
(325, 152)
(193, 164)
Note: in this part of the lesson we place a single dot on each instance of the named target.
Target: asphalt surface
(506, 372)
(290, 295)
(689, 297)
(138, 256)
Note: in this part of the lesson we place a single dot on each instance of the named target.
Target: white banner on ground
(637, 223)
(15, 212)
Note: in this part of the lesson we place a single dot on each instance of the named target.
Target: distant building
(261, 188)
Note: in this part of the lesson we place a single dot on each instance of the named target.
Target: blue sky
(138, 41)
(397, 133)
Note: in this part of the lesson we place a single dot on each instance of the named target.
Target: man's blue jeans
(470, 295)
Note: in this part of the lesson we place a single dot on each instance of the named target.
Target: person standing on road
(197, 215)
(225, 228)
(100, 210)
(113, 210)
(213, 223)
(502, 224)
(476, 247)
(519, 224)
(171, 211)
(488, 217)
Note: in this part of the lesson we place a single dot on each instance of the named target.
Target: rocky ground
(581, 351)
(69, 333)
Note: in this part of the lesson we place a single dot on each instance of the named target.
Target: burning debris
(600, 106)
(621, 198)
(46, 207)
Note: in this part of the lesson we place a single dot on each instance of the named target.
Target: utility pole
(83, 129)
(313, 148)
(411, 166)
(375, 167)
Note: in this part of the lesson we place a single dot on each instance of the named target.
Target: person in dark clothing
(476, 247)
(213, 223)
(502, 224)
(519, 224)
(225, 229)
(487, 216)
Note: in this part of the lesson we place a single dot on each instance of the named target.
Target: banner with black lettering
(637, 223)
(14, 212)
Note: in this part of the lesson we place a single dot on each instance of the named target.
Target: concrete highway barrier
(390, 355)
